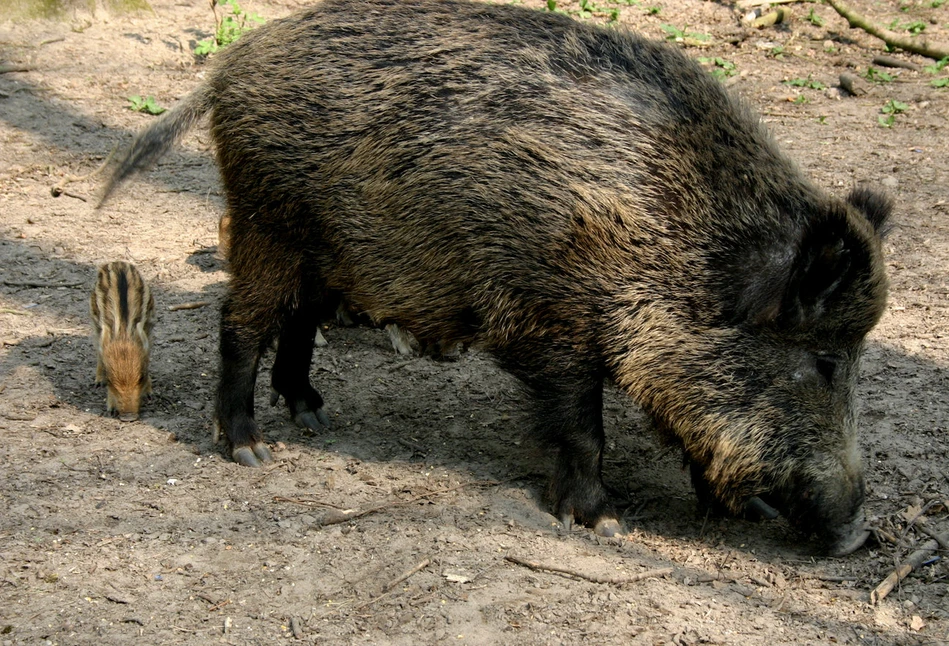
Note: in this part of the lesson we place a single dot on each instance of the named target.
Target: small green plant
(894, 107)
(916, 27)
(776, 53)
(808, 83)
(683, 36)
(943, 82)
(815, 19)
(228, 28)
(653, 10)
(822, 120)
(877, 76)
(935, 4)
(800, 99)
(586, 11)
(721, 69)
(938, 67)
(891, 109)
(146, 105)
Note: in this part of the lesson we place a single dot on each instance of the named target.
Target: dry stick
(336, 516)
(73, 195)
(889, 61)
(915, 560)
(188, 306)
(17, 283)
(918, 45)
(57, 190)
(540, 567)
(303, 501)
(424, 563)
(388, 587)
(939, 538)
(748, 4)
(13, 67)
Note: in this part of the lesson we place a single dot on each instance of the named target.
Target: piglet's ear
(820, 269)
(875, 206)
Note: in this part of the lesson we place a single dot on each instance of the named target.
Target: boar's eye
(826, 366)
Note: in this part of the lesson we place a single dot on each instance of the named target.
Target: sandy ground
(118, 533)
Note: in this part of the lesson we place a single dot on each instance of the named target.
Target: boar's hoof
(128, 417)
(306, 410)
(607, 527)
(252, 456)
(312, 419)
(758, 509)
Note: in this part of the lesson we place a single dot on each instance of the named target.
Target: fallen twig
(57, 190)
(218, 606)
(387, 588)
(915, 560)
(336, 515)
(188, 306)
(36, 285)
(13, 67)
(854, 85)
(933, 534)
(918, 45)
(540, 567)
(424, 563)
(768, 20)
(304, 501)
(72, 195)
(749, 4)
(889, 61)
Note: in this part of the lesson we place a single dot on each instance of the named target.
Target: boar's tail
(155, 140)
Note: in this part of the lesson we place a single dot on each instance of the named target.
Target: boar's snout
(830, 506)
(124, 399)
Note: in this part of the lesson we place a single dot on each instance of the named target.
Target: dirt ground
(144, 532)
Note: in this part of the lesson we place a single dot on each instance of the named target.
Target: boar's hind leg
(291, 369)
(571, 418)
(242, 343)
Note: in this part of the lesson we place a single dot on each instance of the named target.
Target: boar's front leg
(291, 369)
(570, 417)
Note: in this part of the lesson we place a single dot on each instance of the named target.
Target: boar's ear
(821, 267)
(875, 206)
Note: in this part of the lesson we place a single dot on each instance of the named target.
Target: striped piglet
(123, 312)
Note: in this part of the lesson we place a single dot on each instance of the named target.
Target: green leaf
(894, 107)
(877, 76)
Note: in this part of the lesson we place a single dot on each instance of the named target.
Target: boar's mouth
(837, 538)
(840, 528)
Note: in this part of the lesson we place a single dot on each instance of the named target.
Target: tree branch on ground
(918, 45)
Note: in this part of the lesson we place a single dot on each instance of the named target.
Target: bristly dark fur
(582, 203)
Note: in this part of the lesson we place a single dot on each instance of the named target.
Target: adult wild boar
(580, 202)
